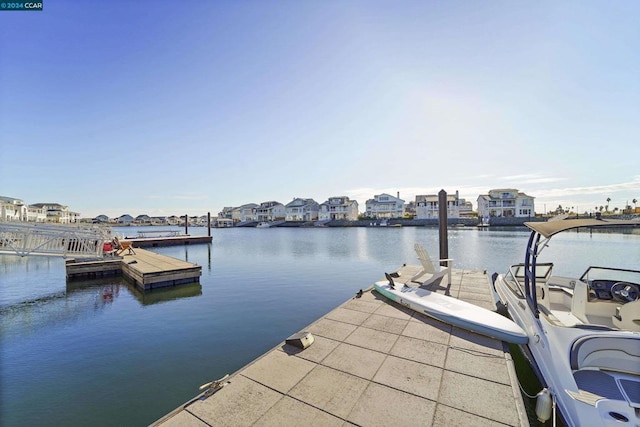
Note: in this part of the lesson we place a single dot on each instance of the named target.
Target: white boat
(263, 224)
(584, 332)
(453, 311)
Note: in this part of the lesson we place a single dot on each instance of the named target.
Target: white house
(428, 206)
(57, 213)
(245, 212)
(226, 212)
(74, 216)
(221, 222)
(12, 209)
(36, 214)
(505, 202)
(142, 219)
(124, 219)
(385, 206)
(173, 220)
(158, 220)
(339, 208)
(270, 211)
(302, 210)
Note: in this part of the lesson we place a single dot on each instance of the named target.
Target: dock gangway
(77, 241)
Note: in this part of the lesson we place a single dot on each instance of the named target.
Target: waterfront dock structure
(154, 239)
(373, 362)
(146, 269)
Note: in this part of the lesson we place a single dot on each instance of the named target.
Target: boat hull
(455, 312)
(550, 348)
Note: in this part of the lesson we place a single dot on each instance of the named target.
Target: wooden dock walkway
(373, 362)
(148, 270)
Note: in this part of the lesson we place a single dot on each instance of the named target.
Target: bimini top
(549, 228)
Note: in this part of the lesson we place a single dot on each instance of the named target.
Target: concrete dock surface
(373, 363)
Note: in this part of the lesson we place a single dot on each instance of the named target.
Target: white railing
(53, 240)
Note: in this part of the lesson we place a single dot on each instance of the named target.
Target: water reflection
(171, 293)
(79, 300)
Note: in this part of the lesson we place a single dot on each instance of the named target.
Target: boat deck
(373, 362)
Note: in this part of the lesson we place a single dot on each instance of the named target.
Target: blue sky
(160, 108)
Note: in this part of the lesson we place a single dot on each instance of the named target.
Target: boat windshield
(514, 279)
(611, 275)
(513, 282)
(543, 271)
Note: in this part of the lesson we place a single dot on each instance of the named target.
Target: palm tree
(607, 207)
(634, 203)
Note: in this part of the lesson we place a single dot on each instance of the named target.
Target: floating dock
(146, 269)
(373, 362)
(150, 241)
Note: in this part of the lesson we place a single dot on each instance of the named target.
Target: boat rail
(158, 233)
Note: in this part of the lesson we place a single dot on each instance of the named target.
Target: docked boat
(263, 224)
(583, 332)
(452, 311)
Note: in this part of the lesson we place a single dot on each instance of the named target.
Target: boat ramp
(372, 362)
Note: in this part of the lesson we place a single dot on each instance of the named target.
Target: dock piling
(443, 223)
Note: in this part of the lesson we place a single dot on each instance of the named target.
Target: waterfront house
(57, 213)
(246, 212)
(385, 206)
(142, 220)
(506, 203)
(12, 209)
(36, 214)
(270, 211)
(302, 210)
(428, 206)
(125, 219)
(158, 220)
(338, 208)
(221, 222)
(226, 212)
(100, 219)
(173, 220)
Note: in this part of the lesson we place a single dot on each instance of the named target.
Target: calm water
(101, 353)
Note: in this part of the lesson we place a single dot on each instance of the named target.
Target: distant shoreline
(390, 223)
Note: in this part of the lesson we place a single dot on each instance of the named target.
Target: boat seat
(579, 301)
(627, 316)
(609, 353)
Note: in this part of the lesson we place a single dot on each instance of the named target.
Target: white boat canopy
(549, 228)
